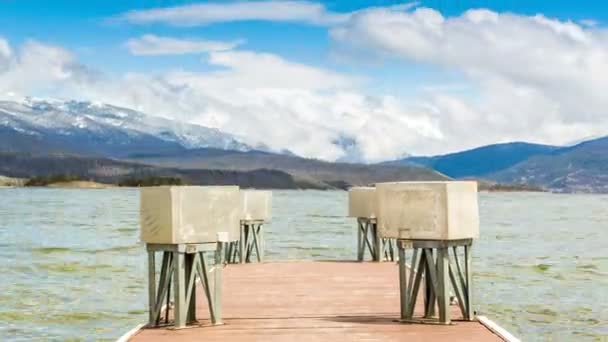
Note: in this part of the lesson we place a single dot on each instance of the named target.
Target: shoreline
(98, 185)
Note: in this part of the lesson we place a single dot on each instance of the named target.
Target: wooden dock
(313, 301)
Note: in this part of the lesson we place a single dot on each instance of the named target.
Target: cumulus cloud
(260, 97)
(39, 69)
(150, 44)
(208, 13)
(536, 78)
(5, 54)
(263, 98)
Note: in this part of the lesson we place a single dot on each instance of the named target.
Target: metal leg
(429, 282)
(166, 272)
(263, 241)
(360, 247)
(378, 246)
(442, 285)
(217, 286)
(463, 285)
(248, 242)
(179, 280)
(151, 287)
(369, 244)
(191, 287)
(204, 275)
(168, 300)
(469, 282)
(411, 293)
(403, 286)
(235, 252)
(228, 252)
(457, 288)
(254, 233)
(242, 245)
(416, 284)
(389, 254)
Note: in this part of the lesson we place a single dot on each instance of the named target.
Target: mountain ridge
(580, 168)
(103, 129)
(479, 161)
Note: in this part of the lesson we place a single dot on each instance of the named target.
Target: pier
(314, 301)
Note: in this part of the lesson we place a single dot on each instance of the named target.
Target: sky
(377, 79)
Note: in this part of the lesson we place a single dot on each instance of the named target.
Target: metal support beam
(404, 298)
(179, 286)
(442, 273)
(251, 243)
(368, 238)
(180, 266)
(151, 287)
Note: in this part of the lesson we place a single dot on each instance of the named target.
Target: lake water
(72, 267)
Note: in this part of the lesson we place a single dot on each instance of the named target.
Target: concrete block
(257, 204)
(362, 202)
(189, 214)
(428, 210)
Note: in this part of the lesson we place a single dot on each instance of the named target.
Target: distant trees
(150, 181)
(125, 182)
(46, 180)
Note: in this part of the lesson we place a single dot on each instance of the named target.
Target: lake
(73, 269)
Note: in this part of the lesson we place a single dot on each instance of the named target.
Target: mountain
(257, 176)
(579, 168)
(340, 175)
(112, 171)
(49, 126)
(481, 161)
(108, 143)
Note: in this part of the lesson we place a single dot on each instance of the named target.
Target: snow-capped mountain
(104, 128)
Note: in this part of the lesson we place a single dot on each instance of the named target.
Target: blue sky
(84, 28)
(432, 87)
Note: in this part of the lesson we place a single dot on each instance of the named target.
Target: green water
(72, 267)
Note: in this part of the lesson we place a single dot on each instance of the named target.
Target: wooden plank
(313, 301)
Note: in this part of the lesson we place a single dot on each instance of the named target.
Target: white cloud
(285, 105)
(247, 69)
(208, 13)
(5, 54)
(39, 69)
(150, 44)
(524, 78)
(536, 78)
(260, 97)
